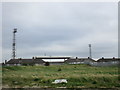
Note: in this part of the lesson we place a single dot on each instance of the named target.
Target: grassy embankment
(78, 76)
(0, 76)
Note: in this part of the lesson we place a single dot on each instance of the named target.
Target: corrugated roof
(52, 57)
(26, 61)
(79, 60)
(108, 59)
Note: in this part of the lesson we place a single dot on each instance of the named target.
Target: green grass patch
(78, 76)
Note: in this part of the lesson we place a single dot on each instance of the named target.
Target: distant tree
(25, 64)
(47, 63)
(31, 64)
(59, 69)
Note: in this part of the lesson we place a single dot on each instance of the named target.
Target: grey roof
(86, 59)
(56, 62)
(13, 61)
(80, 60)
(25, 61)
(52, 57)
(108, 59)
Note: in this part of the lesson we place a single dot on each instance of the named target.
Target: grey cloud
(61, 28)
(0, 32)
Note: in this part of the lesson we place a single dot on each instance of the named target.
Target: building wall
(38, 64)
(111, 63)
(86, 61)
(56, 63)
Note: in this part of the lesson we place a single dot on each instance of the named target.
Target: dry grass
(77, 76)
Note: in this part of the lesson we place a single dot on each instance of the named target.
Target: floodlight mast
(90, 52)
(14, 43)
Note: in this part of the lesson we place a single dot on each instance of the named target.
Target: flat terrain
(78, 76)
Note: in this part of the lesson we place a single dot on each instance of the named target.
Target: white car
(60, 81)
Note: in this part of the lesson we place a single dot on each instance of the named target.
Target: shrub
(59, 69)
(25, 64)
(47, 63)
(36, 79)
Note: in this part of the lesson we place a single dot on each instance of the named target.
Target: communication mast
(90, 53)
(14, 44)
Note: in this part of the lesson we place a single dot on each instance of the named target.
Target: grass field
(78, 76)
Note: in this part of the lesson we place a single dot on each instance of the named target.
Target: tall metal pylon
(14, 43)
(90, 52)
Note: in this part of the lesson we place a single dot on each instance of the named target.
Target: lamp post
(14, 43)
(90, 52)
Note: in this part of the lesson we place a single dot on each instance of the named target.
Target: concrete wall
(13, 64)
(110, 63)
(52, 63)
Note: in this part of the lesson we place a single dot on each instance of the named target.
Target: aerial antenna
(90, 52)
(14, 43)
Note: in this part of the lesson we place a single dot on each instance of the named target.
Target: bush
(36, 79)
(59, 69)
(25, 64)
(47, 63)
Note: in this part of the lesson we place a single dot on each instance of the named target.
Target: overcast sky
(60, 29)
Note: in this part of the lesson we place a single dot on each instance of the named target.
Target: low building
(100, 62)
(107, 61)
(79, 61)
(18, 62)
(56, 61)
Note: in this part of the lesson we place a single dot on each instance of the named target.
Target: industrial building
(66, 60)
